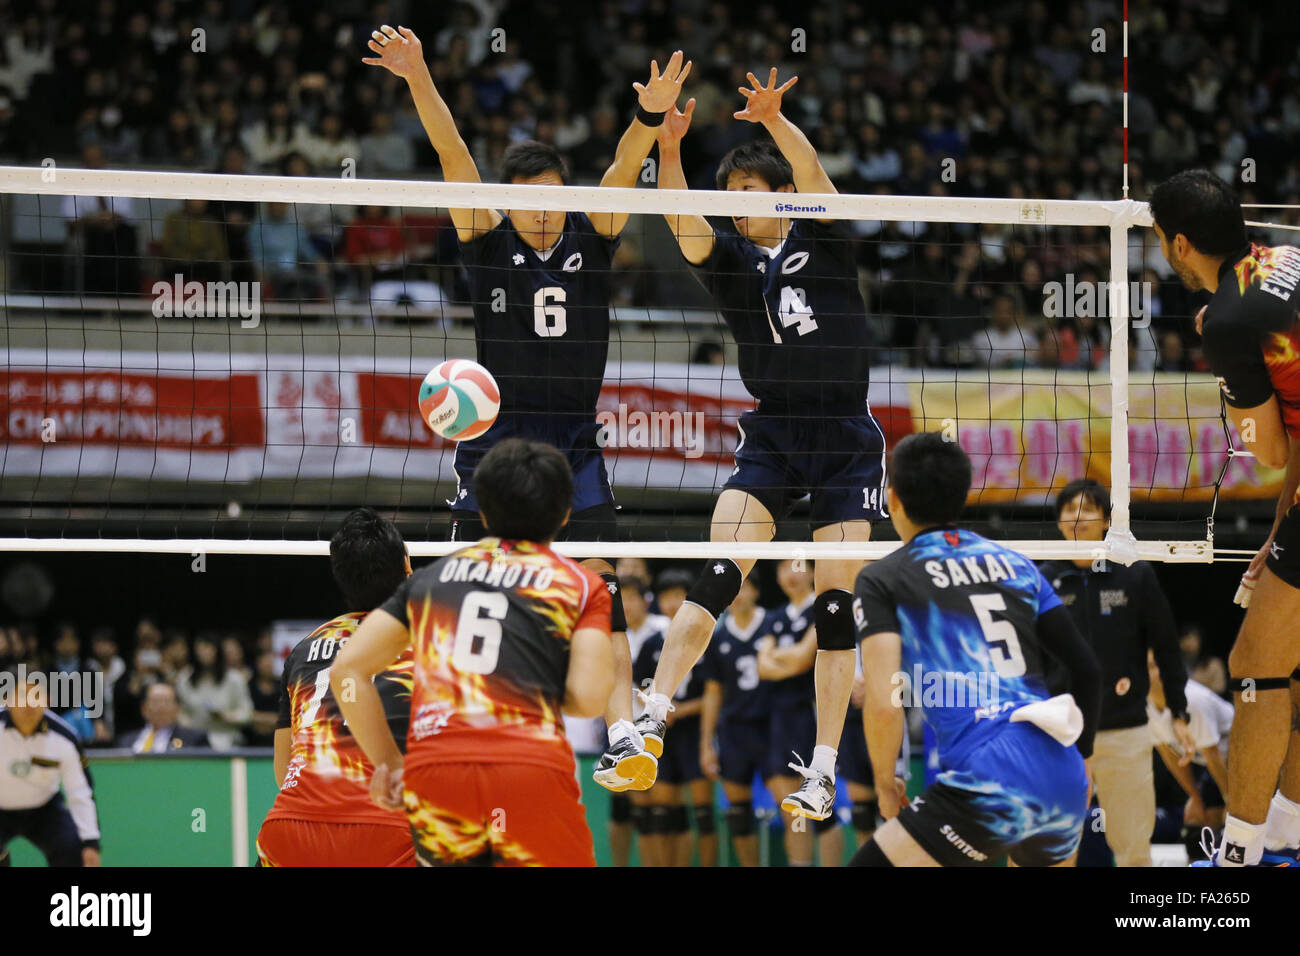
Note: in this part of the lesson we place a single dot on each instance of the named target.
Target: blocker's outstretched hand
(763, 103)
(660, 92)
(399, 51)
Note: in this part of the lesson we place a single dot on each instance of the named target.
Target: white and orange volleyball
(459, 399)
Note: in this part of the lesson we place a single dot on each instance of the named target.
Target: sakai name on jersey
(951, 572)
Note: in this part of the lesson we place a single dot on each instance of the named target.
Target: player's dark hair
(530, 159)
(931, 476)
(1094, 493)
(760, 158)
(1202, 207)
(524, 489)
(367, 558)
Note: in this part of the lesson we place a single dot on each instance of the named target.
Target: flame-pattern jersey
(1251, 331)
(491, 627)
(328, 779)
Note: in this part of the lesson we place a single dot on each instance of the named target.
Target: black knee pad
(827, 825)
(677, 821)
(833, 612)
(1295, 674)
(620, 808)
(864, 815)
(740, 819)
(1250, 685)
(640, 819)
(617, 620)
(870, 854)
(656, 820)
(704, 823)
(717, 586)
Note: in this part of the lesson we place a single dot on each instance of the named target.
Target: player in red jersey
(1251, 335)
(323, 815)
(506, 634)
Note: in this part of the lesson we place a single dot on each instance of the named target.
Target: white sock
(1283, 824)
(620, 731)
(656, 706)
(823, 760)
(1243, 843)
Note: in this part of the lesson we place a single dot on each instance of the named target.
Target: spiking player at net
(788, 290)
(540, 282)
(1251, 335)
(976, 620)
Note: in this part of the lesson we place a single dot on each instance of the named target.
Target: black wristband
(649, 119)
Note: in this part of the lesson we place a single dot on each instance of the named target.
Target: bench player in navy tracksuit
(788, 290)
(540, 282)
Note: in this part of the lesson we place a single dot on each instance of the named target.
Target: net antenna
(1117, 216)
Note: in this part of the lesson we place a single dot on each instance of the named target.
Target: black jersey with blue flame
(797, 317)
(541, 320)
(967, 610)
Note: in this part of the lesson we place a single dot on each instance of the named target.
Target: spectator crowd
(1019, 99)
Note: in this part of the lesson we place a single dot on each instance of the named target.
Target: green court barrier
(206, 810)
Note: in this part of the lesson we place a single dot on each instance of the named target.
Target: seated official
(161, 733)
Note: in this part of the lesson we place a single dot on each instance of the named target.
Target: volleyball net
(228, 364)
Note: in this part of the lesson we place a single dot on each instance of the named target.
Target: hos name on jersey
(952, 572)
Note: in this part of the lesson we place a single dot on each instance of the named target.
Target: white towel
(1059, 716)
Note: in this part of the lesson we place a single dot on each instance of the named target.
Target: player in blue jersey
(540, 283)
(788, 290)
(970, 624)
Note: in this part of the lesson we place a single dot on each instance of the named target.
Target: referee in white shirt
(39, 754)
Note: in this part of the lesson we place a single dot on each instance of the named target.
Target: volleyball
(459, 399)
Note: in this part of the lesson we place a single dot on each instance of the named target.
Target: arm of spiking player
(283, 748)
(657, 96)
(400, 52)
(375, 645)
(694, 235)
(763, 106)
(883, 720)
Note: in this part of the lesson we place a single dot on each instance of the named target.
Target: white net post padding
(1118, 216)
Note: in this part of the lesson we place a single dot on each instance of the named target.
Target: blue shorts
(840, 462)
(1019, 794)
(793, 731)
(680, 762)
(853, 763)
(577, 439)
(743, 750)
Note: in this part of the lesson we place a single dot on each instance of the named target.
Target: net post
(1121, 544)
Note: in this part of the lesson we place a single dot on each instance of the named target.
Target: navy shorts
(840, 462)
(793, 731)
(743, 750)
(853, 762)
(575, 437)
(50, 827)
(680, 762)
